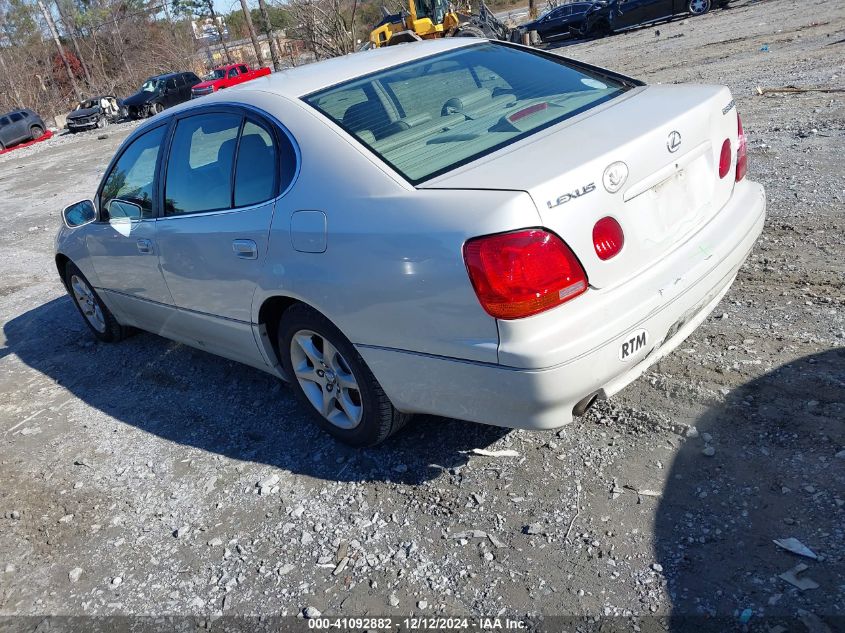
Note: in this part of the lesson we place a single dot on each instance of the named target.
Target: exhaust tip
(584, 405)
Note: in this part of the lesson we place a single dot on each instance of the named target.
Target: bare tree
(271, 39)
(51, 25)
(71, 33)
(325, 25)
(251, 29)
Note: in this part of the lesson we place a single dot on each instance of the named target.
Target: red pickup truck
(226, 77)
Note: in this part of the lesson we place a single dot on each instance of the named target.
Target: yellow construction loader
(430, 19)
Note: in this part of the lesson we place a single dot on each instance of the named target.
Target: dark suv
(160, 92)
(18, 126)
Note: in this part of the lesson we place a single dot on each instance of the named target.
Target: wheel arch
(61, 266)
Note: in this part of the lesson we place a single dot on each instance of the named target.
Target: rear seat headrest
(456, 104)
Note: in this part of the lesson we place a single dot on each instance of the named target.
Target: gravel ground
(151, 478)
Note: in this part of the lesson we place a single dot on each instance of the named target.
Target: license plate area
(633, 345)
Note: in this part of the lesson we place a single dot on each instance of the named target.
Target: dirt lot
(150, 478)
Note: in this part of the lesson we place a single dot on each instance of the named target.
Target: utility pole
(275, 53)
(251, 30)
(70, 31)
(52, 26)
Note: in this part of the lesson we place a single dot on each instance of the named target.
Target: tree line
(54, 53)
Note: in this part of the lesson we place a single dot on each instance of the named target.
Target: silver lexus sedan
(461, 227)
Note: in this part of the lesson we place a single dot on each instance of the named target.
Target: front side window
(132, 178)
(4, 121)
(233, 73)
(16, 116)
(151, 85)
(199, 169)
(171, 83)
(429, 116)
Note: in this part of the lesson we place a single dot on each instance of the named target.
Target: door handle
(145, 246)
(245, 249)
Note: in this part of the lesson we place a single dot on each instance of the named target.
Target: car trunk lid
(668, 137)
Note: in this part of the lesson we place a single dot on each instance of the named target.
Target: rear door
(171, 92)
(183, 88)
(220, 188)
(630, 13)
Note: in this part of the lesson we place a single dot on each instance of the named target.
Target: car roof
(303, 80)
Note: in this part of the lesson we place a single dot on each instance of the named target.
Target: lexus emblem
(674, 141)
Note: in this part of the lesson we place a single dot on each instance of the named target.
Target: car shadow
(774, 474)
(197, 399)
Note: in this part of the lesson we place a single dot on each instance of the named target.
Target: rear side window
(132, 178)
(255, 172)
(16, 116)
(427, 117)
(199, 169)
(243, 69)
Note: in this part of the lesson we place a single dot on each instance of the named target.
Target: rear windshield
(429, 116)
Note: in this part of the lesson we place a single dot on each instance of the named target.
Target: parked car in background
(159, 93)
(610, 16)
(96, 112)
(389, 232)
(19, 126)
(563, 21)
(226, 77)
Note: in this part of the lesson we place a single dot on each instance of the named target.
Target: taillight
(741, 152)
(522, 273)
(725, 159)
(608, 238)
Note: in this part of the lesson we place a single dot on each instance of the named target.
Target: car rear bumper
(526, 391)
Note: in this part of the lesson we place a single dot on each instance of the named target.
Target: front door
(122, 244)
(220, 187)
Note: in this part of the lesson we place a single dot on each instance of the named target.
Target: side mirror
(79, 213)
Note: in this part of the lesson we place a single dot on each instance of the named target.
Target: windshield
(429, 116)
(91, 103)
(151, 85)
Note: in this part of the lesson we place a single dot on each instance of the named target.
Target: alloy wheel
(697, 7)
(87, 302)
(326, 379)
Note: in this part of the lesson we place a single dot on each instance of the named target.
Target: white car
(464, 228)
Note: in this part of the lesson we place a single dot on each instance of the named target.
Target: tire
(36, 132)
(698, 7)
(94, 312)
(123, 115)
(320, 362)
(102, 122)
(155, 109)
(470, 31)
